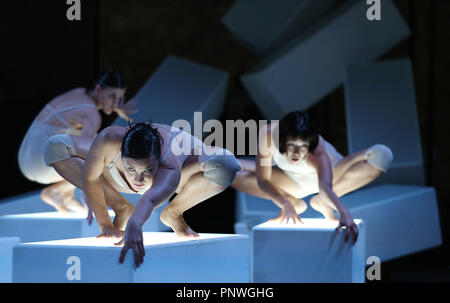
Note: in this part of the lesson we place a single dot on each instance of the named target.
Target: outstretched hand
(133, 239)
(111, 232)
(287, 214)
(124, 109)
(346, 221)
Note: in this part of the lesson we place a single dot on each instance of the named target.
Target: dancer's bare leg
(58, 194)
(350, 174)
(71, 170)
(193, 189)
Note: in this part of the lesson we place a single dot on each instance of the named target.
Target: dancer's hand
(133, 239)
(110, 232)
(346, 220)
(124, 109)
(287, 214)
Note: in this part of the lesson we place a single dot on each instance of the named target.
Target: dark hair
(296, 125)
(141, 141)
(109, 78)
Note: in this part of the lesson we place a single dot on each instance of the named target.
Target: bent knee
(58, 148)
(300, 206)
(379, 156)
(221, 169)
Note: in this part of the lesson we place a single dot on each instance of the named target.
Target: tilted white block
(6, 258)
(400, 219)
(313, 65)
(212, 258)
(381, 108)
(178, 89)
(55, 226)
(265, 25)
(311, 252)
(24, 204)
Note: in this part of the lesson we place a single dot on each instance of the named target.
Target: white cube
(312, 252)
(56, 226)
(24, 204)
(375, 94)
(265, 25)
(6, 258)
(313, 64)
(399, 219)
(212, 258)
(184, 87)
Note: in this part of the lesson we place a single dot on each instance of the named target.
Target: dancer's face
(296, 150)
(109, 97)
(140, 172)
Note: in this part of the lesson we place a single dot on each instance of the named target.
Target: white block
(313, 64)
(381, 108)
(308, 253)
(400, 219)
(56, 226)
(6, 258)
(179, 88)
(24, 204)
(210, 259)
(265, 25)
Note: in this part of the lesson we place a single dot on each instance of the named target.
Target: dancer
(307, 164)
(147, 159)
(72, 114)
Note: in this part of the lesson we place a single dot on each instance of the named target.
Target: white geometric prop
(212, 258)
(6, 258)
(178, 89)
(313, 64)
(312, 252)
(24, 204)
(399, 219)
(265, 25)
(381, 108)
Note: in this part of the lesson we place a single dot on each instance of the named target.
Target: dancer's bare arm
(92, 171)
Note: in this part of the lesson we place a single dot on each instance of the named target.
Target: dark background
(43, 55)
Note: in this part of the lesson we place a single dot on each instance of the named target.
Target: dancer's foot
(53, 196)
(178, 224)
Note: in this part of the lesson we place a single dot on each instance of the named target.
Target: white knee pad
(379, 156)
(56, 149)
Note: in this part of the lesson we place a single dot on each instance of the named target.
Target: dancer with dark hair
(65, 128)
(155, 161)
(307, 164)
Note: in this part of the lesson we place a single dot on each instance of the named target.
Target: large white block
(178, 89)
(56, 226)
(311, 252)
(399, 219)
(211, 258)
(6, 258)
(381, 108)
(313, 64)
(265, 25)
(24, 204)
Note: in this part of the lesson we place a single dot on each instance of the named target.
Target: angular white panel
(6, 258)
(55, 226)
(381, 108)
(178, 89)
(399, 219)
(24, 204)
(312, 252)
(265, 25)
(212, 258)
(313, 64)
